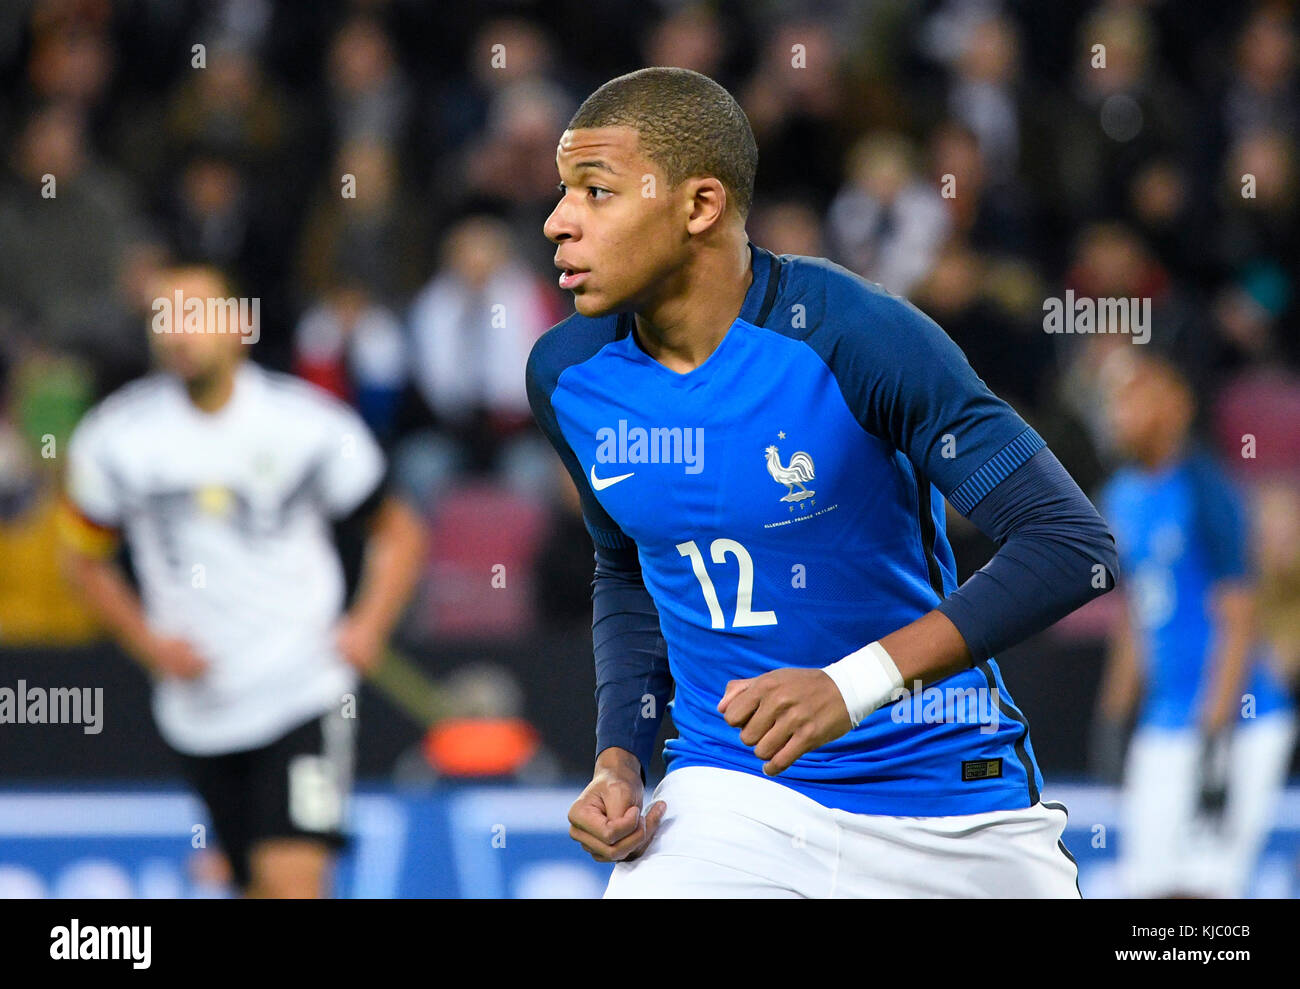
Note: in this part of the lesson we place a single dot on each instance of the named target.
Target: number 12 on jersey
(718, 549)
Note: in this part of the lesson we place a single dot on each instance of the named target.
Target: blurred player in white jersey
(226, 481)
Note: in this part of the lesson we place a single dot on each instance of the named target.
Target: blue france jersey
(782, 501)
(1179, 531)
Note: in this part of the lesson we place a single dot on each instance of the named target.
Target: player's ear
(707, 199)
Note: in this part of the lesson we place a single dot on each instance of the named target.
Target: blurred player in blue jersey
(763, 446)
(1215, 727)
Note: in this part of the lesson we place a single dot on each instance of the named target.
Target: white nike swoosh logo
(601, 485)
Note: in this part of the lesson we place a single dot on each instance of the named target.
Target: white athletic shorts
(730, 834)
(1164, 847)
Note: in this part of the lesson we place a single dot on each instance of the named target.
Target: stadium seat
(482, 543)
(1264, 404)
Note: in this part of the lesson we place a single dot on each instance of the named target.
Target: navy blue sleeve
(907, 382)
(1055, 554)
(549, 357)
(633, 682)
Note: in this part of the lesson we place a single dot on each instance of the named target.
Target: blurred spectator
(231, 105)
(1118, 114)
(46, 395)
(1262, 92)
(794, 101)
(64, 220)
(139, 265)
(472, 328)
(373, 233)
(72, 63)
(1246, 315)
(1111, 262)
(243, 21)
(1277, 550)
(1008, 352)
(355, 348)
(1170, 212)
(218, 215)
(503, 53)
(887, 224)
(510, 168)
(983, 93)
(369, 98)
(1260, 197)
(788, 226)
(690, 37)
(993, 214)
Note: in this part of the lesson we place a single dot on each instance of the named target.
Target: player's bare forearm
(1234, 609)
(111, 599)
(394, 553)
(1122, 679)
(927, 649)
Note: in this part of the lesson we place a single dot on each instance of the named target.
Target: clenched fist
(785, 714)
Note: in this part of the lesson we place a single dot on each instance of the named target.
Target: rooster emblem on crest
(799, 471)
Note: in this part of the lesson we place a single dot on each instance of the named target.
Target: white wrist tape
(867, 680)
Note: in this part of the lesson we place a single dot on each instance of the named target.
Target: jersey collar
(754, 310)
(248, 386)
(762, 291)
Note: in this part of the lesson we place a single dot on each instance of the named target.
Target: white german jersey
(228, 518)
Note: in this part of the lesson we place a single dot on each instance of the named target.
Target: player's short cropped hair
(688, 126)
(180, 270)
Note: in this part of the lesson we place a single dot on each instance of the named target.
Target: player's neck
(1165, 451)
(682, 329)
(211, 394)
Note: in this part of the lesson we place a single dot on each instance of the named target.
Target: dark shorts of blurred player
(292, 789)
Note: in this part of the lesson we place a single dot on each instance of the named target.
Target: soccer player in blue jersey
(763, 446)
(1215, 727)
